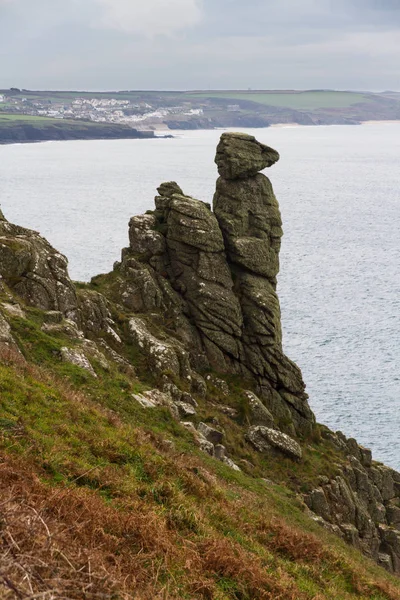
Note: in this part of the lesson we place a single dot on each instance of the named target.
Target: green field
(295, 100)
(10, 119)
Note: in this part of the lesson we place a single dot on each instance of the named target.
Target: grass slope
(101, 498)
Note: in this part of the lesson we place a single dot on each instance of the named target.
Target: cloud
(148, 17)
(145, 44)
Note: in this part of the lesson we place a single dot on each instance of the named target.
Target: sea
(339, 284)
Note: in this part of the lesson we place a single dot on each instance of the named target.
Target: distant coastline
(20, 131)
(33, 116)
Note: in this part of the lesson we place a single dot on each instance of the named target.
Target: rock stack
(249, 218)
(213, 274)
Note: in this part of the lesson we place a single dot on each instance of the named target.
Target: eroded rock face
(7, 342)
(163, 355)
(199, 273)
(33, 269)
(362, 504)
(94, 315)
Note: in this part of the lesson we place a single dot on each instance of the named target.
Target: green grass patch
(297, 100)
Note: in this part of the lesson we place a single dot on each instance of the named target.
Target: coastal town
(140, 115)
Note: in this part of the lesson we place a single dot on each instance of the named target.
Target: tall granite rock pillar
(249, 218)
(212, 275)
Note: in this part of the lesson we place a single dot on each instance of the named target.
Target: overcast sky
(200, 44)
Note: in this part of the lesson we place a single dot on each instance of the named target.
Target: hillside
(25, 128)
(69, 114)
(155, 440)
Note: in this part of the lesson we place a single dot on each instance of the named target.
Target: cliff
(158, 406)
(21, 129)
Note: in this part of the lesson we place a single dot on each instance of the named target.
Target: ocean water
(339, 286)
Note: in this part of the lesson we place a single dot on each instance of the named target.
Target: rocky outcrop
(362, 504)
(164, 356)
(35, 271)
(212, 275)
(94, 316)
(7, 342)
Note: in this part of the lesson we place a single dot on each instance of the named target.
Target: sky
(200, 44)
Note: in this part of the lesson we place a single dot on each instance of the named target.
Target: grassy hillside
(308, 100)
(102, 498)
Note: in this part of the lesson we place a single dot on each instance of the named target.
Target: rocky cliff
(18, 129)
(193, 307)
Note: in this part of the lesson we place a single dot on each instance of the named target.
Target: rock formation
(248, 215)
(213, 274)
(362, 504)
(34, 270)
(195, 292)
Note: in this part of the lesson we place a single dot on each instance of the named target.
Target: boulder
(258, 413)
(218, 383)
(152, 399)
(264, 439)
(78, 358)
(14, 310)
(241, 155)
(212, 435)
(185, 410)
(229, 462)
(220, 451)
(204, 444)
